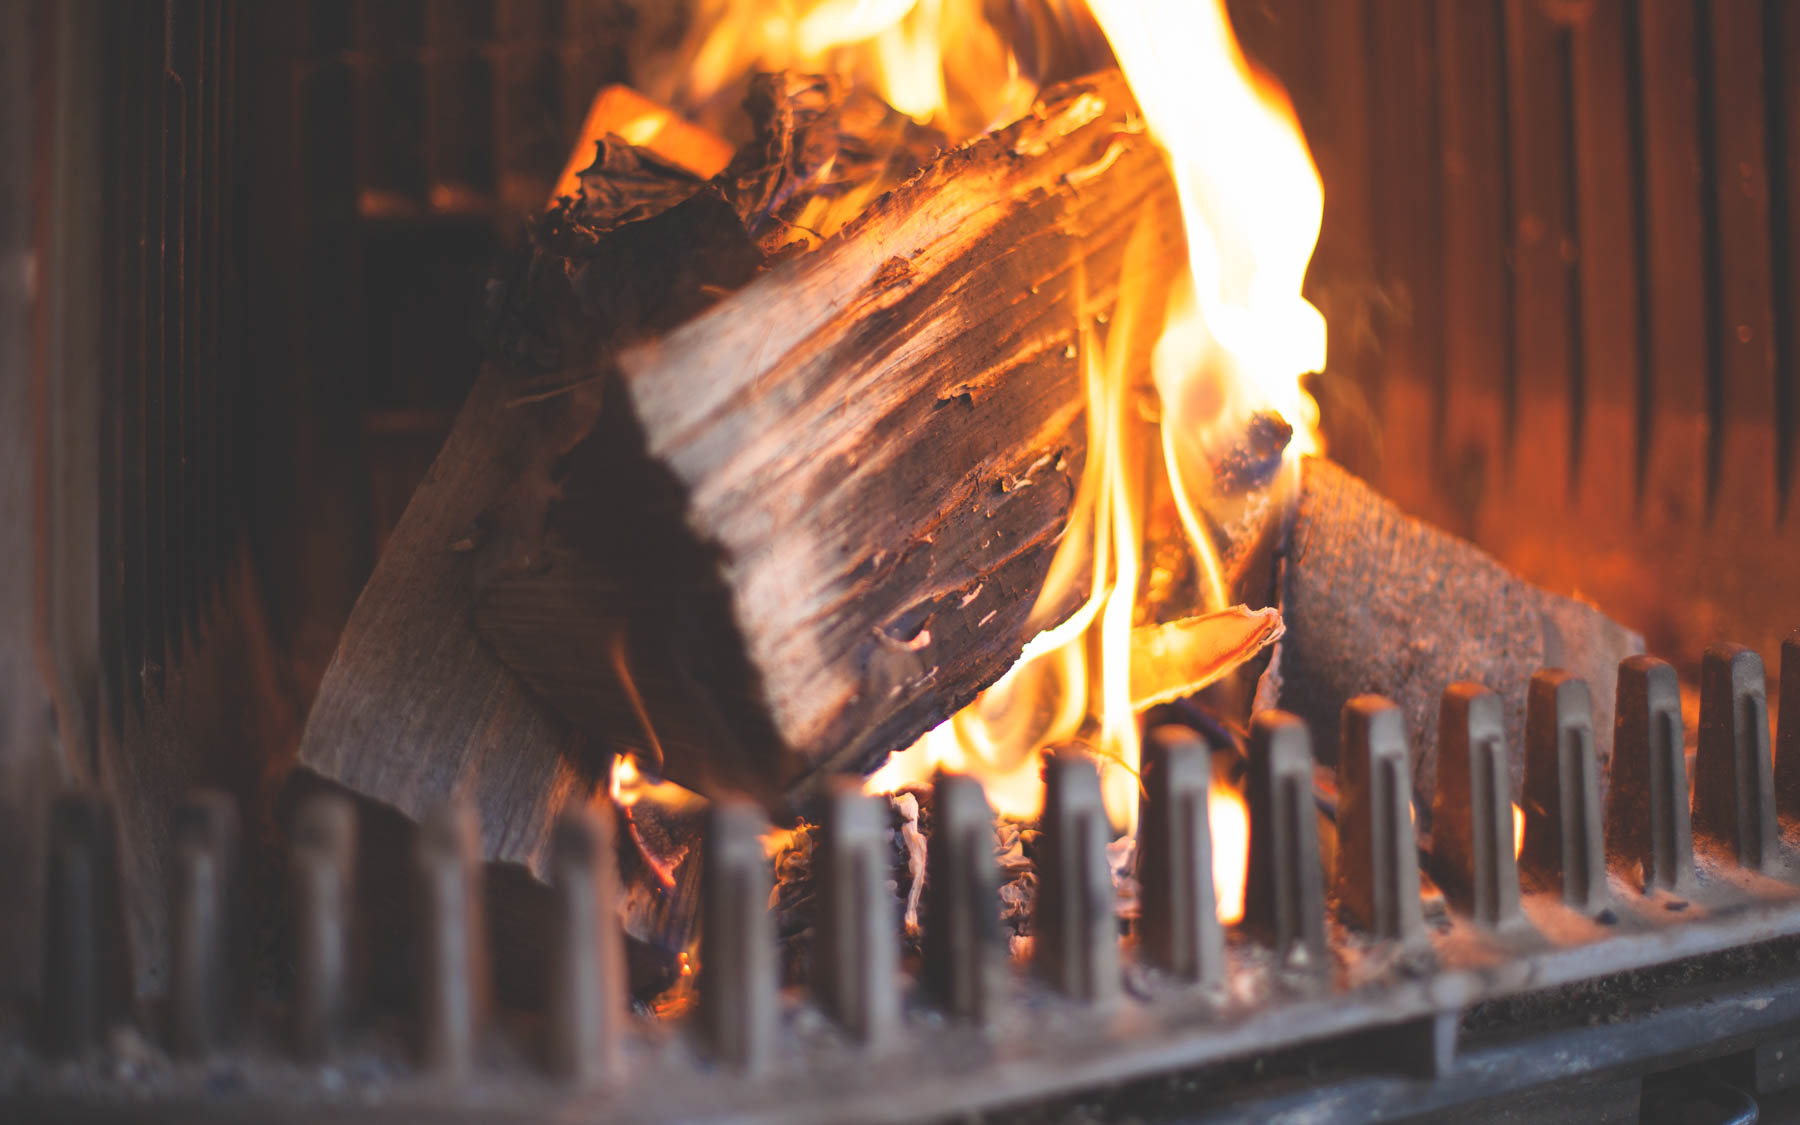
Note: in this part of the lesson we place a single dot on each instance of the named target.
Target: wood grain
(812, 522)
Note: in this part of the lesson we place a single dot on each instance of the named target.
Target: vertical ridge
(1776, 124)
(1710, 256)
(1577, 384)
(1508, 202)
(1640, 223)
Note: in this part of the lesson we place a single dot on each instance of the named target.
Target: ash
(794, 900)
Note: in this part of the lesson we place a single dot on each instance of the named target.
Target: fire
(1172, 383)
(940, 61)
(631, 784)
(1233, 342)
(1229, 818)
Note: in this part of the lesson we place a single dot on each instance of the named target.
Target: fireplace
(468, 654)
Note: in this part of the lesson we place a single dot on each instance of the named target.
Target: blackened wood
(1375, 601)
(811, 523)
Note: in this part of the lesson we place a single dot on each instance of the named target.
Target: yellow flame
(631, 783)
(1252, 201)
(1518, 821)
(1229, 818)
(940, 61)
(1235, 339)
(627, 781)
(1232, 341)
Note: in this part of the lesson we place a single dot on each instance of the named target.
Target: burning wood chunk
(1178, 658)
(1377, 602)
(626, 183)
(779, 541)
(810, 524)
(629, 118)
(823, 149)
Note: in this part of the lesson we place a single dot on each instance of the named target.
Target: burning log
(811, 523)
(778, 541)
(1376, 602)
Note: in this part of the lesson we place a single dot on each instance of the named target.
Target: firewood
(1375, 601)
(413, 707)
(619, 113)
(823, 149)
(808, 525)
(1177, 658)
(811, 523)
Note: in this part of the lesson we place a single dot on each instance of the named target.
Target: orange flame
(1235, 339)
(1229, 818)
(940, 61)
(1232, 341)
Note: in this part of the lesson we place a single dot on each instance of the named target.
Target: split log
(413, 707)
(915, 390)
(1376, 601)
(811, 523)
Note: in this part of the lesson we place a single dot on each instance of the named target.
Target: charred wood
(789, 536)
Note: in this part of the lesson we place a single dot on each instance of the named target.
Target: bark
(1375, 601)
(812, 523)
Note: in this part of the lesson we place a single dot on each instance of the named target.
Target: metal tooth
(322, 866)
(1285, 895)
(1179, 923)
(1427, 1046)
(1647, 805)
(1378, 861)
(1077, 929)
(858, 933)
(964, 963)
(737, 950)
(86, 982)
(1734, 787)
(1787, 741)
(200, 966)
(1471, 812)
(1563, 840)
(453, 994)
(586, 1009)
